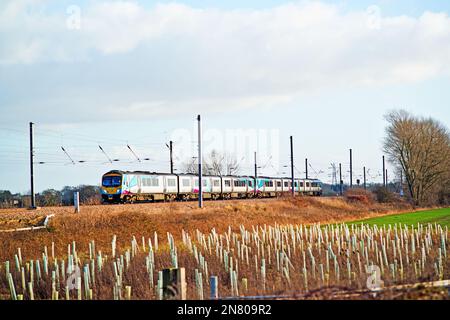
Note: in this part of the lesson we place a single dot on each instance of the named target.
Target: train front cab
(112, 187)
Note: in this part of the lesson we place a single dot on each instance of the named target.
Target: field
(294, 248)
(439, 216)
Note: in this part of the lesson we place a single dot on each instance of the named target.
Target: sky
(137, 73)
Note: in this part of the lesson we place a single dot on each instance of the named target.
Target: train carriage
(260, 186)
(278, 186)
(297, 185)
(216, 187)
(266, 187)
(250, 187)
(301, 186)
(239, 185)
(126, 186)
(316, 187)
(227, 187)
(206, 186)
(186, 186)
(286, 183)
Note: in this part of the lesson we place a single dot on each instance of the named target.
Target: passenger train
(129, 187)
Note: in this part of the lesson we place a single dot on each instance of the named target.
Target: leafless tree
(420, 148)
(190, 166)
(215, 163)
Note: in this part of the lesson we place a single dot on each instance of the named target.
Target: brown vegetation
(359, 196)
(101, 222)
(420, 150)
(288, 261)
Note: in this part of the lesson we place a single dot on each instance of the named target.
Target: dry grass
(291, 261)
(101, 222)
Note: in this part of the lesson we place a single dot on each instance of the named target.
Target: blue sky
(258, 71)
(390, 7)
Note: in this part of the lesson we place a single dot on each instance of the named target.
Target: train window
(186, 183)
(278, 183)
(205, 183)
(268, 183)
(250, 183)
(150, 182)
(286, 184)
(111, 181)
(171, 183)
(227, 183)
(216, 183)
(106, 182)
(196, 183)
(239, 183)
(295, 184)
(307, 184)
(314, 184)
(301, 184)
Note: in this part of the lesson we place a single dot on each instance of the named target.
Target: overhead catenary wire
(81, 147)
(135, 155)
(11, 151)
(106, 155)
(64, 150)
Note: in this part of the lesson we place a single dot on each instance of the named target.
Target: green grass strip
(439, 216)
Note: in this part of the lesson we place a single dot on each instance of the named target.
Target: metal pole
(200, 189)
(351, 169)
(387, 179)
(33, 197)
(340, 178)
(171, 157)
(384, 173)
(365, 187)
(306, 166)
(292, 166)
(256, 175)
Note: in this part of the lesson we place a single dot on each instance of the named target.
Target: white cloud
(171, 58)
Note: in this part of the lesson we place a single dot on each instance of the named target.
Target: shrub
(383, 195)
(359, 195)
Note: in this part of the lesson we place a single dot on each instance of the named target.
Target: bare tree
(420, 148)
(190, 166)
(231, 164)
(215, 163)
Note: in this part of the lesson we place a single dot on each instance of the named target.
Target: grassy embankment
(439, 216)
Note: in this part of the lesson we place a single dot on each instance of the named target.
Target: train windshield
(112, 181)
